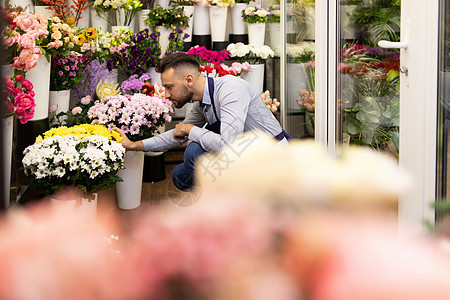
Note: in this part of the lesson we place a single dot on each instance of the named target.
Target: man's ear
(190, 80)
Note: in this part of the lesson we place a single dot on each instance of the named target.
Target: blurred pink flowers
(272, 104)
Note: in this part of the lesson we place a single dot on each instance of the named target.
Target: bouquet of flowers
(272, 104)
(24, 37)
(175, 3)
(130, 8)
(206, 56)
(249, 53)
(19, 96)
(255, 15)
(274, 14)
(176, 41)
(222, 3)
(138, 115)
(301, 53)
(67, 70)
(69, 14)
(140, 55)
(87, 156)
(169, 18)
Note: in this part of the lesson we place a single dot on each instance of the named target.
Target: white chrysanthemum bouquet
(87, 156)
(250, 53)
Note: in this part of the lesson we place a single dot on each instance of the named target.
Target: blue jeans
(183, 174)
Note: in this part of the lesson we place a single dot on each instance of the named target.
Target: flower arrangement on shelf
(169, 18)
(67, 70)
(272, 104)
(300, 53)
(142, 53)
(134, 84)
(222, 3)
(69, 14)
(19, 96)
(138, 115)
(86, 156)
(206, 56)
(255, 14)
(249, 53)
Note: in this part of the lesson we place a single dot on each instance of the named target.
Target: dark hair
(177, 61)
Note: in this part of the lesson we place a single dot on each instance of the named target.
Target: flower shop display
(256, 57)
(256, 17)
(221, 70)
(139, 116)
(238, 25)
(85, 156)
(176, 41)
(65, 73)
(141, 54)
(126, 13)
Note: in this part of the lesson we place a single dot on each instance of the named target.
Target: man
(228, 106)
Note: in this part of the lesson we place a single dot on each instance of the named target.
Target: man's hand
(182, 131)
(127, 144)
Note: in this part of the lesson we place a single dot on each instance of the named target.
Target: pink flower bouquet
(138, 115)
(31, 35)
(19, 98)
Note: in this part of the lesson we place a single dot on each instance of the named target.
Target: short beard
(185, 98)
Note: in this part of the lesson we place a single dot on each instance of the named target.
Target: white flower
(262, 13)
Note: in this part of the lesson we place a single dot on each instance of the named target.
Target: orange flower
(81, 39)
(90, 33)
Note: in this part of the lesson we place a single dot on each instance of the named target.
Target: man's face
(176, 88)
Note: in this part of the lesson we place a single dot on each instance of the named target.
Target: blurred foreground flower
(302, 173)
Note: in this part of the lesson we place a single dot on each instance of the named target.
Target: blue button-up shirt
(239, 109)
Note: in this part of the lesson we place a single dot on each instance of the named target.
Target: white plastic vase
(296, 81)
(163, 38)
(201, 21)
(142, 15)
(255, 76)
(40, 78)
(120, 17)
(97, 21)
(256, 33)
(60, 99)
(129, 191)
(48, 13)
(189, 12)
(7, 136)
(238, 24)
(85, 208)
(275, 35)
(218, 21)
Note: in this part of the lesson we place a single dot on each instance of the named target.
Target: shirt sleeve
(234, 101)
(165, 141)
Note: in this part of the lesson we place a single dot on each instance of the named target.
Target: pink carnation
(76, 110)
(27, 85)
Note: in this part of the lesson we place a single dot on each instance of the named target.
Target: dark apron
(215, 127)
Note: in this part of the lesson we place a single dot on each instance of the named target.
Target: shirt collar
(206, 99)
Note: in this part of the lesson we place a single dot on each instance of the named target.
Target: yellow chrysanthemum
(81, 39)
(70, 21)
(105, 89)
(90, 33)
(80, 131)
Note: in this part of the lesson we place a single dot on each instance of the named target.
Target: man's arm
(234, 101)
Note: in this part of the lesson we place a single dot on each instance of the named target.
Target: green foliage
(169, 18)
